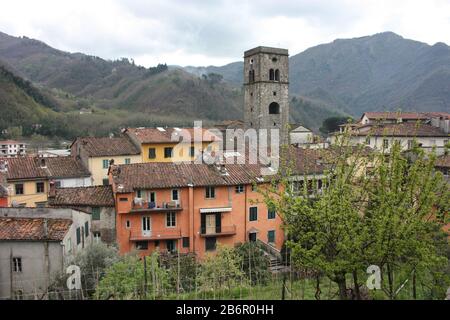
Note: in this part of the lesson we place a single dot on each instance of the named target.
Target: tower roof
(261, 49)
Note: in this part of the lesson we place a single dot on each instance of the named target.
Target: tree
(126, 279)
(255, 265)
(221, 270)
(332, 124)
(374, 208)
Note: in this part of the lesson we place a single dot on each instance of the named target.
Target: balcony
(140, 206)
(164, 234)
(218, 231)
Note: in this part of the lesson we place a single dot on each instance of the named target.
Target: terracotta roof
(164, 135)
(44, 168)
(33, 229)
(395, 115)
(443, 161)
(157, 175)
(11, 142)
(307, 161)
(100, 147)
(96, 196)
(3, 186)
(403, 129)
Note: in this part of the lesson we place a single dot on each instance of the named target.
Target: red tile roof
(403, 129)
(101, 147)
(96, 196)
(164, 135)
(443, 161)
(33, 229)
(392, 115)
(157, 175)
(44, 168)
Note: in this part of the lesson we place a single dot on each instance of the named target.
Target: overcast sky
(207, 32)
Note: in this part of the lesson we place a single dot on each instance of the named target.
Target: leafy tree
(383, 216)
(221, 270)
(332, 124)
(125, 279)
(255, 265)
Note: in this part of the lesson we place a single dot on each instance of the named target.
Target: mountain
(379, 72)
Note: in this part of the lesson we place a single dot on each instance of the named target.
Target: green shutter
(78, 236)
(96, 213)
(86, 228)
(271, 236)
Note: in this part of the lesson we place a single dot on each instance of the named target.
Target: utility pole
(145, 277)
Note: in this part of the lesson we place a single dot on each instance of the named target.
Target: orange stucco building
(193, 209)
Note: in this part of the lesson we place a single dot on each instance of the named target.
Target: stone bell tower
(266, 85)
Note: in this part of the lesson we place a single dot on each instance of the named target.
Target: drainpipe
(191, 217)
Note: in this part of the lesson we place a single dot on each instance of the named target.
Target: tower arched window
(274, 108)
(277, 75)
(271, 75)
(251, 76)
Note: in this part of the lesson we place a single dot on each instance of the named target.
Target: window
(78, 235)
(40, 187)
(57, 184)
(277, 75)
(175, 195)
(253, 214)
(210, 244)
(253, 187)
(151, 153)
(17, 264)
(127, 160)
(368, 141)
(171, 219)
(252, 236)
(210, 192)
(152, 197)
(40, 204)
(192, 151)
(240, 188)
(128, 224)
(410, 144)
(271, 214)
(105, 164)
(271, 75)
(271, 236)
(385, 143)
(185, 242)
(97, 236)
(142, 245)
(105, 182)
(274, 108)
(138, 193)
(18, 295)
(123, 199)
(86, 229)
(170, 245)
(69, 245)
(168, 152)
(96, 213)
(19, 188)
(274, 93)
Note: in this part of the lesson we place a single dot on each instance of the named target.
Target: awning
(214, 210)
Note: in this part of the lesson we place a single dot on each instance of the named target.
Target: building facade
(97, 153)
(28, 178)
(11, 148)
(35, 245)
(266, 90)
(98, 201)
(170, 145)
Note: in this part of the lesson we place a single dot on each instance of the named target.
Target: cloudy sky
(208, 32)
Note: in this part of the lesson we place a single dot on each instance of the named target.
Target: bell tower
(266, 90)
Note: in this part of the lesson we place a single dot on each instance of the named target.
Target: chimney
(42, 162)
(45, 228)
(52, 191)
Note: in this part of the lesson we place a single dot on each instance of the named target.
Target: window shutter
(78, 235)
(218, 222)
(203, 223)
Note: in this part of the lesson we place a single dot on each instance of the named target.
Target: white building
(379, 130)
(11, 148)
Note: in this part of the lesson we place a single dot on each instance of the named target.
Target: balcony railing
(164, 234)
(218, 231)
(148, 206)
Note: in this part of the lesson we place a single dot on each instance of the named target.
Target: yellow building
(169, 144)
(28, 178)
(97, 153)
